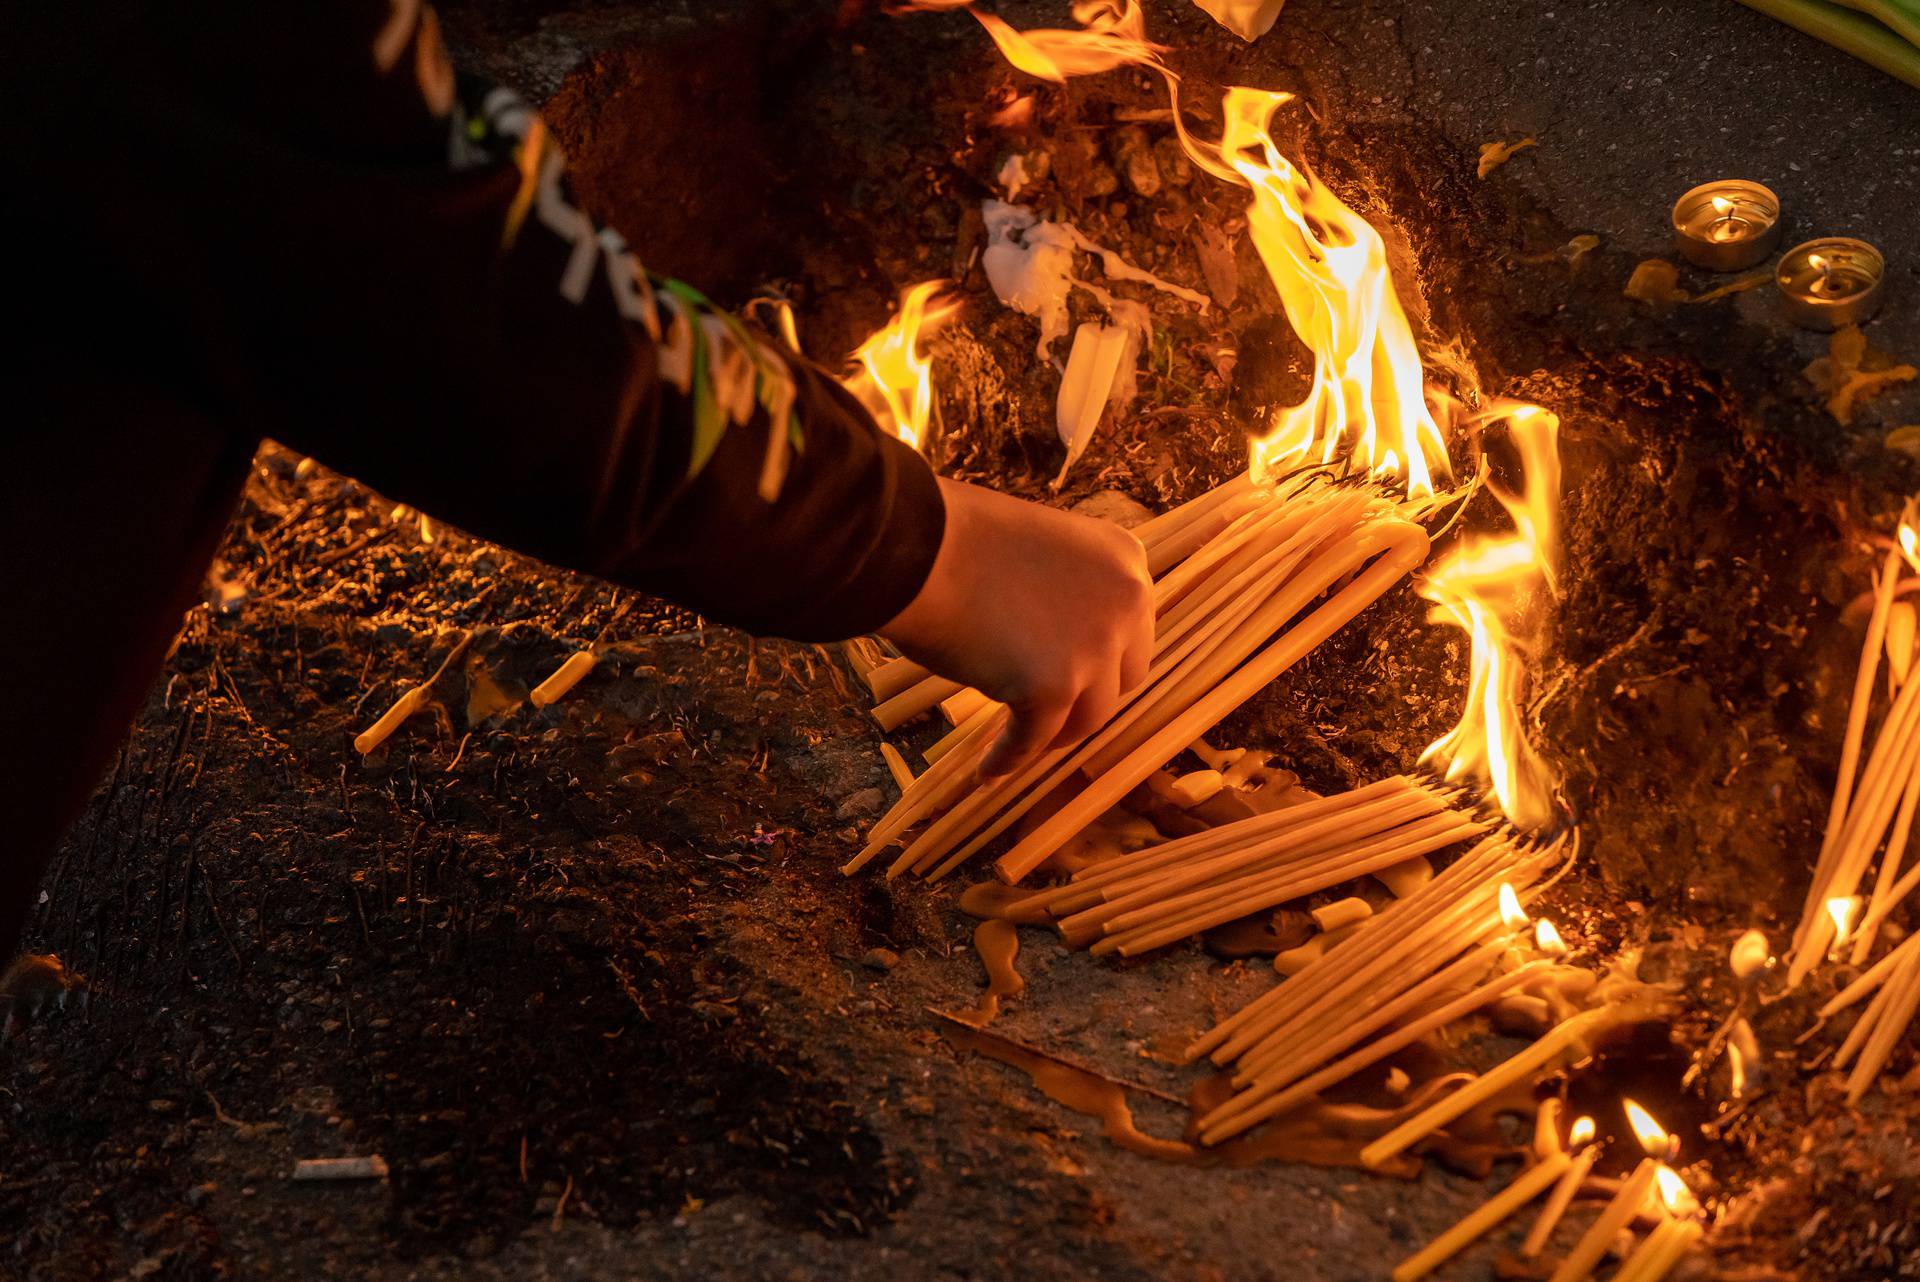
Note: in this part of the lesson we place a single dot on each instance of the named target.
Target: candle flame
(1367, 403)
(1582, 1132)
(1737, 1069)
(893, 379)
(1368, 408)
(1490, 586)
(1547, 936)
(1511, 913)
(1910, 546)
(1750, 955)
(1653, 1137)
(1841, 910)
(1675, 1196)
(1819, 263)
(1722, 206)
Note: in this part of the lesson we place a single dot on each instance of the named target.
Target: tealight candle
(1727, 225)
(1831, 283)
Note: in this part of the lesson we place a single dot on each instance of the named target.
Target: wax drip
(1318, 1133)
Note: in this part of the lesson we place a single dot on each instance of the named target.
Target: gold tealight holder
(1727, 225)
(1830, 283)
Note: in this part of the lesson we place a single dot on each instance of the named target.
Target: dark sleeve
(392, 277)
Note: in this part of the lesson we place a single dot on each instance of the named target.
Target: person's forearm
(392, 277)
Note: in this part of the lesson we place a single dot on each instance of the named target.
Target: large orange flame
(1368, 408)
(1368, 400)
(1113, 33)
(893, 379)
(1489, 587)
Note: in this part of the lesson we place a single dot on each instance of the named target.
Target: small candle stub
(1830, 283)
(1726, 225)
(373, 1167)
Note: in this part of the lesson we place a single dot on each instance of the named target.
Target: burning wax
(1831, 283)
(1726, 225)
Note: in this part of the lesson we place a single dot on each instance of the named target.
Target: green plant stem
(1848, 32)
(1901, 16)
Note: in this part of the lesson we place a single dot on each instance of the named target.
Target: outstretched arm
(383, 267)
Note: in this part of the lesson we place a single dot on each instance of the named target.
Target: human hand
(1048, 612)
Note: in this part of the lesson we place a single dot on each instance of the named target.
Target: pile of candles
(1654, 1195)
(1869, 829)
(1249, 578)
(1731, 224)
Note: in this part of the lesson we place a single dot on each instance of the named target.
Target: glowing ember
(1547, 936)
(1582, 1132)
(1511, 912)
(1368, 400)
(1653, 1137)
(894, 380)
(1489, 586)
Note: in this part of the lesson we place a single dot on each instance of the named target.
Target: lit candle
(1830, 283)
(1512, 915)
(1841, 909)
(1657, 1255)
(1571, 1179)
(1580, 1262)
(1727, 225)
(1653, 1137)
(1525, 1187)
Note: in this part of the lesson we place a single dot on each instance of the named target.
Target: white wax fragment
(1119, 268)
(1093, 367)
(1013, 176)
(1248, 19)
(1138, 322)
(1029, 264)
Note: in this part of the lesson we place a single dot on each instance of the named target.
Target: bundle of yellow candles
(1249, 578)
(1559, 1170)
(1445, 951)
(1149, 898)
(1653, 1187)
(1870, 822)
